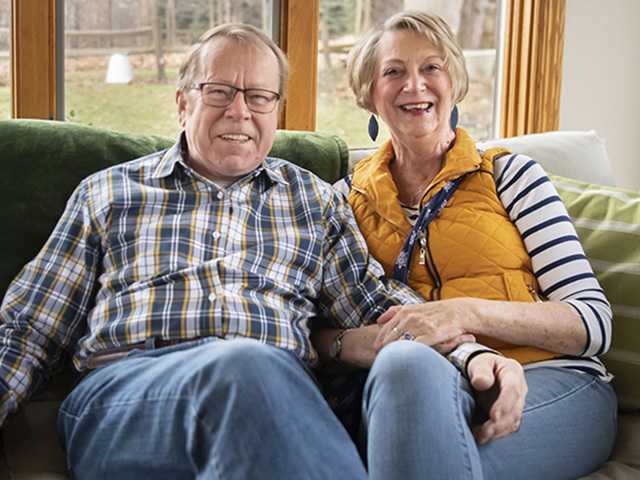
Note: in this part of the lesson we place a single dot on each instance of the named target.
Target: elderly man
(183, 284)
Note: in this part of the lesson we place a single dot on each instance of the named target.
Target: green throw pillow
(608, 223)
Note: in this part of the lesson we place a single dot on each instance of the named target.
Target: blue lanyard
(428, 213)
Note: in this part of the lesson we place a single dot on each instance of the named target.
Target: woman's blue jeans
(418, 412)
(209, 409)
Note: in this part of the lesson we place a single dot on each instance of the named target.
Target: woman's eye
(389, 71)
(433, 67)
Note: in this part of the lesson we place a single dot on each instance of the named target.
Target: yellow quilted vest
(472, 247)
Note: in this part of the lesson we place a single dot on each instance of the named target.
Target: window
(122, 56)
(5, 59)
(343, 22)
(532, 44)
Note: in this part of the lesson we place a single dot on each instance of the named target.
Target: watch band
(336, 346)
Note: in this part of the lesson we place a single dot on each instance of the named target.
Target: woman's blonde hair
(192, 64)
(362, 60)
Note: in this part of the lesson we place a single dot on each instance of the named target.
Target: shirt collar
(176, 154)
(169, 159)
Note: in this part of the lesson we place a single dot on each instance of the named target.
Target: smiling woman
(342, 23)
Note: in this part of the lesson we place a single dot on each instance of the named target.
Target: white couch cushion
(579, 155)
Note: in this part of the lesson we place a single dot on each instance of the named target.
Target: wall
(601, 79)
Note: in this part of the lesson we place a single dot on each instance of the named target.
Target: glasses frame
(200, 86)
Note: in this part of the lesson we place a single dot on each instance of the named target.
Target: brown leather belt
(99, 359)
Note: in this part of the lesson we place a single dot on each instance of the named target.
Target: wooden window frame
(299, 20)
(532, 67)
(33, 59)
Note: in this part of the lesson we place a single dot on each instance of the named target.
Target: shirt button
(215, 235)
(212, 297)
(220, 195)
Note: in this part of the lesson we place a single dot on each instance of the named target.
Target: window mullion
(33, 58)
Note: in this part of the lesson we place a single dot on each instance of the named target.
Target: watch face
(336, 346)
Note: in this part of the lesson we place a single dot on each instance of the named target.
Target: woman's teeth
(417, 106)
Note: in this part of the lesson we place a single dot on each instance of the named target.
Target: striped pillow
(608, 222)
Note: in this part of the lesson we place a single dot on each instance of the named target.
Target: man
(183, 284)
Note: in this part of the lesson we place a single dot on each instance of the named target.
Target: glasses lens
(217, 95)
(221, 95)
(261, 101)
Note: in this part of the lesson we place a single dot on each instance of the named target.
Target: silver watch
(336, 346)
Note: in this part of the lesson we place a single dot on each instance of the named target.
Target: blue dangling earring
(453, 120)
(373, 127)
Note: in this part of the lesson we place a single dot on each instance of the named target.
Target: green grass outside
(5, 103)
(146, 106)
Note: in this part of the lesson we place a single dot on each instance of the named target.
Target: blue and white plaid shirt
(150, 248)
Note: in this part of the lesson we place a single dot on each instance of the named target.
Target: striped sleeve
(559, 262)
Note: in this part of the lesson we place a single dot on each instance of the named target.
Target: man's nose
(238, 107)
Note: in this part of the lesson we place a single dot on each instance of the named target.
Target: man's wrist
(335, 349)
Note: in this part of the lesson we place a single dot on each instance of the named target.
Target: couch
(41, 162)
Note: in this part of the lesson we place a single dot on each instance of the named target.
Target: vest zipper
(431, 267)
(534, 294)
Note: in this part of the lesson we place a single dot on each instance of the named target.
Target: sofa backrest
(41, 163)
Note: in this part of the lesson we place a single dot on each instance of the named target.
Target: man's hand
(501, 389)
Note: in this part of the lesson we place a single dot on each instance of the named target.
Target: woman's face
(412, 90)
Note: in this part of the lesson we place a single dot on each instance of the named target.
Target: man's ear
(183, 106)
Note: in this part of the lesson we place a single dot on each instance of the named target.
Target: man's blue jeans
(418, 412)
(208, 409)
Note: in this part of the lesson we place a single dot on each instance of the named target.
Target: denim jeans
(208, 409)
(418, 411)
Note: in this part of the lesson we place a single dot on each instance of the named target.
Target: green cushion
(43, 161)
(608, 222)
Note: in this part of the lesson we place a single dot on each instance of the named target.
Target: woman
(484, 237)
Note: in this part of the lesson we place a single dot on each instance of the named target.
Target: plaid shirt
(150, 248)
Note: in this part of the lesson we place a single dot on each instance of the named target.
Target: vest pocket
(521, 287)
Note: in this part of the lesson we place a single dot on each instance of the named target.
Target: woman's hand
(440, 324)
(501, 389)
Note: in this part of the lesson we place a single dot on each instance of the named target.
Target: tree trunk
(450, 10)
(227, 11)
(170, 16)
(142, 19)
(157, 41)
(324, 37)
(472, 24)
(366, 15)
(266, 16)
(358, 18)
(109, 42)
(212, 20)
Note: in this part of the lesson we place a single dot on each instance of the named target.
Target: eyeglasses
(221, 95)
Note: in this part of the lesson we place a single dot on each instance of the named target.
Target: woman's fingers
(388, 315)
(389, 331)
(429, 323)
